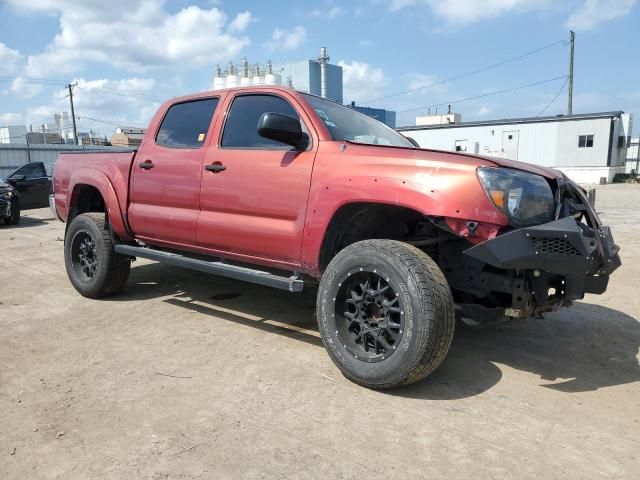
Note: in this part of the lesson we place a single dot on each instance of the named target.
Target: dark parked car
(33, 185)
(9, 204)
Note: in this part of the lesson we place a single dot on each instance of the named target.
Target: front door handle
(147, 165)
(215, 167)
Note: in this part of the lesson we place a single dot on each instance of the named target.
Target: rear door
(254, 206)
(165, 187)
(33, 185)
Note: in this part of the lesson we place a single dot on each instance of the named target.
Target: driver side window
(31, 170)
(241, 127)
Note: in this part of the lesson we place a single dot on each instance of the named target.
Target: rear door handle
(147, 164)
(215, 167)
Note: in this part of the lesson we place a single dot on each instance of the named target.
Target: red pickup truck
(286, 189)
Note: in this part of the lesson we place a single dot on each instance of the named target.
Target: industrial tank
(272, 78)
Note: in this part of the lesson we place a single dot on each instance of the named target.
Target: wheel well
(85, 199)
(364, 221)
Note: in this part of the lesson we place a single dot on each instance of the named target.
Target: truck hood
(547, 172)
(458, 157)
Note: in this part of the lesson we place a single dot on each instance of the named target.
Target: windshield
(345, 123)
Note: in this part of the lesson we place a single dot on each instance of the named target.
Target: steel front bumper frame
(583, 255)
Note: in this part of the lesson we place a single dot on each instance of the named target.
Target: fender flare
(99, 181)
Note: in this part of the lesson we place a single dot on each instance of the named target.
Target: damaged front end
(527, 271)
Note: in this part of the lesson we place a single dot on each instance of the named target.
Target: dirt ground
(188, 376)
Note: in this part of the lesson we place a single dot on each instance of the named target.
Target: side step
(291, 284)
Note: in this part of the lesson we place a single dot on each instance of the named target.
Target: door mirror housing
(283, 128)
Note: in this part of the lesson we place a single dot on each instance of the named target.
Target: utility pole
(28, 149)
(572, 37)
(73, 113)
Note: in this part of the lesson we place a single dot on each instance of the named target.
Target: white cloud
(24, 88)
(10, 119)
(594, 12)
(483, 111)
(365, 43)
(134, 35)
(464, 12)
(328, 13)
(423, 83)
(362, 81)
(239, 24)
(286, 39)
(395, 5)
(129, 100)
(9, 59)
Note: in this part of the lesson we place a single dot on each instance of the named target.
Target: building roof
(510, 121)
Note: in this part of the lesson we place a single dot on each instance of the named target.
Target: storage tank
(232, 76)
(245, 79)
(271, 78)
(257, 79)
(219, 81)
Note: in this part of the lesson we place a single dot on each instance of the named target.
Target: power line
(464, 75)
(134, 93)
(51, 81)
(451, 102)
(33, 79)
(109, 122)
(554, 98)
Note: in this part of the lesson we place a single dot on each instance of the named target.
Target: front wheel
(385, 313)
(93, 266)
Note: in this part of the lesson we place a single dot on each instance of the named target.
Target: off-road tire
(428, 310)
(14, 219)
(111, 269)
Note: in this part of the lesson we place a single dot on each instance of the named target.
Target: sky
(127, 56)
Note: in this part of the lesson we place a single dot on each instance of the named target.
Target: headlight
(525, 197)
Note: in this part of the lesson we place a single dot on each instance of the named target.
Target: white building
(586, 147)
(633, 156)
(13, 134)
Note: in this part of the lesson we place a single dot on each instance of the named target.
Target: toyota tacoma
(286, 189)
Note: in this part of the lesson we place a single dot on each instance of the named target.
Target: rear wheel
(385, 313)
(14, 219)
(93, 267)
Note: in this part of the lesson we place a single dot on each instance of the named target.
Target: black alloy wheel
(84, 256)
(369, 315)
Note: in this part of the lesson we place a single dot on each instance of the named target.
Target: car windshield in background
(345, 123)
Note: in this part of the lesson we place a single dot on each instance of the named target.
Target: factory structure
(315, 76)
(588, 148)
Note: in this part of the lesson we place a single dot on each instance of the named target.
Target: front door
(165, 189)
(33, 185)
(254, 203)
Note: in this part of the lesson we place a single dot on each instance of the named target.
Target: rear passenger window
(186, 124)
(241, 128)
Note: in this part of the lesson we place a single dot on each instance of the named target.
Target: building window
(585, 141)
(461, 145)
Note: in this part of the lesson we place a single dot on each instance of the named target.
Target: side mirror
(283, 128)
(16, 178)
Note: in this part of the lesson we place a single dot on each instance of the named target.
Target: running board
(291, 284)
